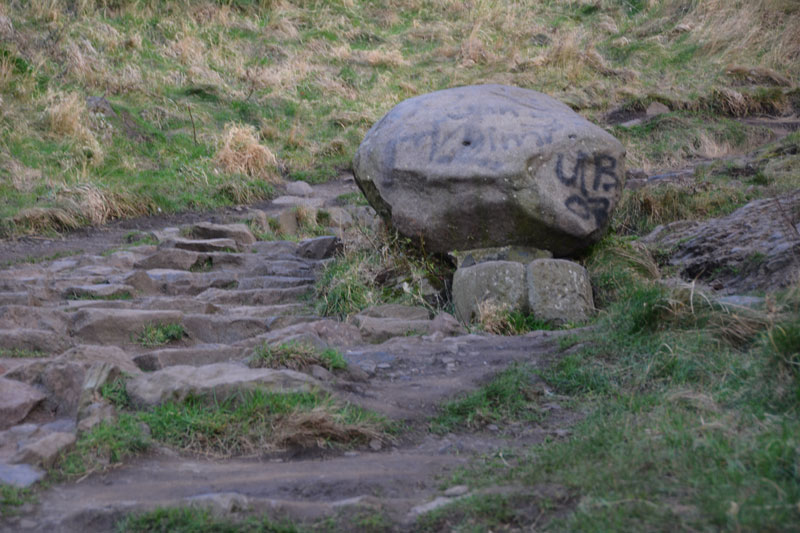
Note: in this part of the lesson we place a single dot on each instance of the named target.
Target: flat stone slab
(100, 291)
(297, 201)
(203, 245)
(21, 475)
(107, 326)
(221, 380)
(16, 401)
(237, 232)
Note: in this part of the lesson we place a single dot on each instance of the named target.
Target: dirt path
(228, 303)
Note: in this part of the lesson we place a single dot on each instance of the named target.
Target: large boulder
(491, 165)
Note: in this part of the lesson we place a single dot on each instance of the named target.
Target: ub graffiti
(585, 202)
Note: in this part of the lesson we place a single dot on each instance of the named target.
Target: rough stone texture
(44, 451)
(172, 259)
(319, 247)
(491, 165)
(755, 248)
(287, 222)
(380, 329)
(297, 201)
(558, 290)
(500, 281)
(405, 312)
(220, 380)
(202, 354)
(101, 290)
(105, 326)
(19, 475)
(202, 245)
(238, 232)
(299, 188)
(520, 254)
(447, 325)
(16, 401)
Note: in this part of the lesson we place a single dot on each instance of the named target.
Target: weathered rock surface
(558, 291)
(19, 475)
(16, 401)
(319, 247)
(754, 248)
(105, 326)
(502, 282)
(220, 380)
(238, 232)
(44, 451)
(491, 165)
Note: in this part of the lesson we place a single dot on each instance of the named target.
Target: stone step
(222, 380)
(178, 282)
(263, 311)
(253, 296)
(201, 354)
(44, 318)
(237, 232)
(285, 267)
(15, 298)
(275, 249)
(99, 291)
(34, 340)
(274, 282)
(202, 245)
(173, 258)
(223, 329)
(117, 326)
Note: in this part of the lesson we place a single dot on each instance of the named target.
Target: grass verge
(296, 356)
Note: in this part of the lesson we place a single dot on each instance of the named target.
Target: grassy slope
(307, 79)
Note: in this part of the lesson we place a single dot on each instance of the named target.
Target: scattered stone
(558, 291)
(339, 218)
(238, 232)
(520, 254)
(44, 451)
(491, 165)
(500, 281)
(16, 401)
(299, 188)
(320, 247)
(141, 282)
(220, 380)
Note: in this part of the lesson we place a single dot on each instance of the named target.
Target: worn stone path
(85, 315)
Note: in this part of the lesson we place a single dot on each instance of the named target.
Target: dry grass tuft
(241, 153)
(67, 116)
(41, 219)
(493, 317)
(320, 427)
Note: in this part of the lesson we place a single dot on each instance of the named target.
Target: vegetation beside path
(118, 108)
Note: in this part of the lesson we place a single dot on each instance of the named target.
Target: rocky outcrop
(16, 401)
(491, 165)
(754, 248)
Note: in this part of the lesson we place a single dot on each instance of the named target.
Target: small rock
(384, 366)
(44, 451)
(321, 373)
(16, 401)
(320, 247)
(375, 445)
(299, 188)
(500, 281)
(287, 222)
(19, 475)
(559, 290)
(655, 109)
(493, 428)
(458, 490)
(447, 325)
(430, 506)
(297, 201)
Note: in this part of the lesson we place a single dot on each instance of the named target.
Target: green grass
(249, 422)
(296, 356)
(507, 398)
(78, 295)
(160, 334)
(21, 353)
(691, 417)
(11, 498)
(194, 520)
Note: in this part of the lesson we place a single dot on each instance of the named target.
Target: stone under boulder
(558, 291)
(502, 282)
(491, 165)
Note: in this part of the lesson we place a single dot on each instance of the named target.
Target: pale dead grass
(240, 152)
(492, 317)
(22, 178)
(68, 117)
(320, 427)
